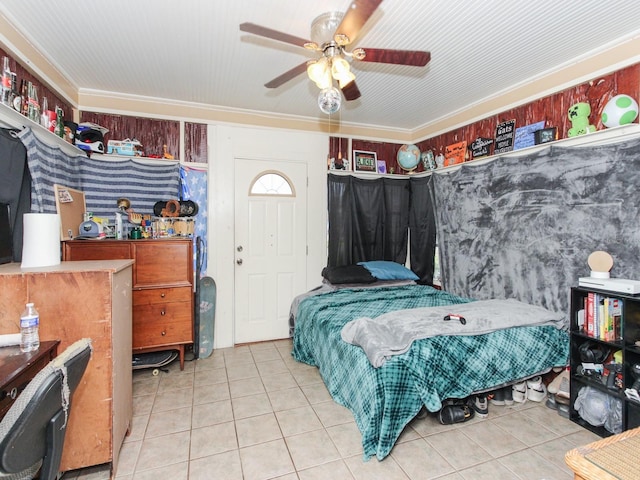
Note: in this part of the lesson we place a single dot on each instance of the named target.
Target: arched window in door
(272, 183)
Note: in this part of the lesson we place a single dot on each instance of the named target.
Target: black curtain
(370, 220)
(422, 224)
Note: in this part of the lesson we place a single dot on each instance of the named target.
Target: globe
(408, 157)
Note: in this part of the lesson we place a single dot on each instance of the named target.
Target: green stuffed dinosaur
(579, 116)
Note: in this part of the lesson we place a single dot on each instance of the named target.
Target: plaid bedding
(383, 400)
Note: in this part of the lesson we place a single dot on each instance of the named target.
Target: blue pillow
(384, 270)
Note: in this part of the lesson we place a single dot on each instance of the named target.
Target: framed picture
(382, 166)
(545, 135)
(365, 161)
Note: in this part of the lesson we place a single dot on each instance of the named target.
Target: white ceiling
(193, 50)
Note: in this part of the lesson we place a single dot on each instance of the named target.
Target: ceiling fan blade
(415, 58)
(272, 34)
(286, 76)
(354, 18)
(351, 91)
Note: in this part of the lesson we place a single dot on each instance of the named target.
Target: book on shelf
(603, 317)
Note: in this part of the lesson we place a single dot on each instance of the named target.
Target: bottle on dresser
(29, 323)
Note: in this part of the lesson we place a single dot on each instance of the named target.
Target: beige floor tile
(266, 354)
(311, 449)
(251, 406)
(214, 439)
(266, 460)
(554, 451)
(330, 413)
(414, 457)
(531, 466)
(212, 413)
(298, 420)
(493, 439)
(241, 371)
(259, 429)
(128, 459)
(145, 386)
(245, 387)
(458, 449)
(175, 382)
(347, 439)
(287, 399)
(171, 421)
(172, 399)
(223, 466)
(143, 404)
(336, 470)
(239, 357)
(526, 430)
(215, 361)
(307, 377)
(138, 428)
(316, 393)
(162, 451)
(373, 469)
(210, 377)
(279, 381)
(211, 393)
(487, 471)
(272, 367)
(177, 471)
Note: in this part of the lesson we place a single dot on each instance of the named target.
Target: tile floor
(254, 413)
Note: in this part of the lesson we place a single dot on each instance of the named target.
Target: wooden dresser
(83, 300)
(162, 287)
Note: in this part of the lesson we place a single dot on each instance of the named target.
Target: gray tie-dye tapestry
(523, 226)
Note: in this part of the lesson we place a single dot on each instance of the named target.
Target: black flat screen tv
(6, 239)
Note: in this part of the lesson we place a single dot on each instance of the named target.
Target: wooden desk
(17, 369)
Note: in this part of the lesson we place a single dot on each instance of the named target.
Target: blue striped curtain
(103, 181)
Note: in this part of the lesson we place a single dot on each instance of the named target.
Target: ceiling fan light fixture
(346, 80)
(320, 73)
(324, 26)
(330, 100)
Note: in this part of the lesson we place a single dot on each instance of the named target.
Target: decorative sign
(504, 136)
(525, 135)
(365, 161)
(481, 146)
(454, 153)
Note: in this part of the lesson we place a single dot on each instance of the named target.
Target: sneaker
(498, 397)
(480, 404)
(536, 389)
(519, 392)
(508, 395)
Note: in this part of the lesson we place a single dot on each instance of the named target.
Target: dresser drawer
(158, 333)
(162, 312)
(161, 295)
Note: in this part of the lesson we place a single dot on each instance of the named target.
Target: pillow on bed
(348, 274)
(384, 270)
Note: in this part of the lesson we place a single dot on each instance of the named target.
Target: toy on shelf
(620, 110)
(579, 116)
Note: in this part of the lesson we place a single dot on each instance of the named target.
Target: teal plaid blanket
(383, 400)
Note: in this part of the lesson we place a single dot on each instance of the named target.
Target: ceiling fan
(331, 33)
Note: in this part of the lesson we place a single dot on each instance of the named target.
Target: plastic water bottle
(29, 322)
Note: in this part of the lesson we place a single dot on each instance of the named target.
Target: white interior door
(270, 246)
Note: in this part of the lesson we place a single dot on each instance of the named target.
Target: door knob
(239, 261)
(239, 248)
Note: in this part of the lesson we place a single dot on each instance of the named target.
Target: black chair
(33, 430)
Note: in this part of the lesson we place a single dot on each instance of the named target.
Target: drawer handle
(13, 393)
(162, 312)
(162, 295)
(163, 333)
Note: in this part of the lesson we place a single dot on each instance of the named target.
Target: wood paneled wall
(43, 90)
(551, 109)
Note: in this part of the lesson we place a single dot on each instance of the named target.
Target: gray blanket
(393, 333)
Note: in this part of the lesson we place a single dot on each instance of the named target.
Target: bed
(384, 399)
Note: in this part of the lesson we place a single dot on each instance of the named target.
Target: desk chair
(33, 430)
